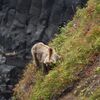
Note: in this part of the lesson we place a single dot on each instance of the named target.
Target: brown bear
(44, 56)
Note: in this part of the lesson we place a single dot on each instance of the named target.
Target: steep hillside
(77, 75)
(22, 24)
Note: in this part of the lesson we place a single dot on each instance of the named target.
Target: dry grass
(23, 89)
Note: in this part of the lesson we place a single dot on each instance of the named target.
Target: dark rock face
(10, 69)
(5, 81)
(23, 23)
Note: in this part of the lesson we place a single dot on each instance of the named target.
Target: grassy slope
(77, 42)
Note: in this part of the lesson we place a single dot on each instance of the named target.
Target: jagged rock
(24, 22)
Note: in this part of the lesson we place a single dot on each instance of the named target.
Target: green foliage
(96, 95)
(97, 70)
(98, 8)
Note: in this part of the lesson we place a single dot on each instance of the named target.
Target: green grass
(96, 95)
(75, 44)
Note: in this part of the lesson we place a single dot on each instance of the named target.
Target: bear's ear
(50, 52)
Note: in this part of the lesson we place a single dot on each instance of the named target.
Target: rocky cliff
(24, 22)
